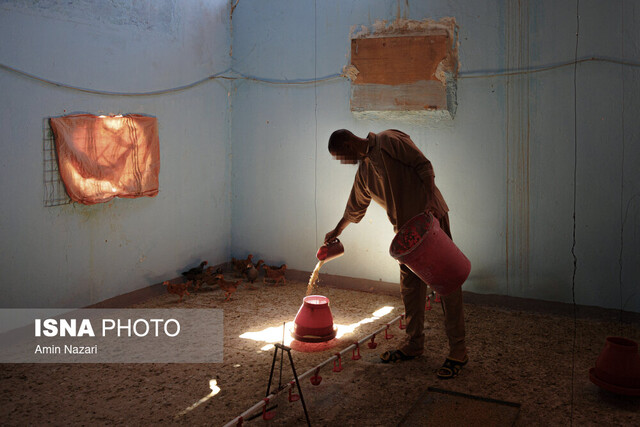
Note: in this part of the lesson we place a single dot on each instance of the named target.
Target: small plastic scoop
(330, 250)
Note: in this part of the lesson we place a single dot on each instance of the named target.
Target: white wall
(505, 164)
(76, 255)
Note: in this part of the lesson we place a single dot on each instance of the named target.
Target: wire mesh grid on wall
(54, 192)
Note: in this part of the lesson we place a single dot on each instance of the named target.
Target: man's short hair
(337, 139)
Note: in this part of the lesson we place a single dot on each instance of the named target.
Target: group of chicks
(198, 277)
(247, 269)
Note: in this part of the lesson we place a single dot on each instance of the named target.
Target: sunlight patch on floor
(276, 334)
(213, 385)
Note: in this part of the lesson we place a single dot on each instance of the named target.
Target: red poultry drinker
(314, 322)
(422, 246)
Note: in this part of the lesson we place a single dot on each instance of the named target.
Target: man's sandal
(394, 356)
(451, 368)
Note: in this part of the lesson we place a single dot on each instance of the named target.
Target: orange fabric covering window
(102, 157)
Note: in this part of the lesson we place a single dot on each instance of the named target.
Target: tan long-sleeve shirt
(395, 174)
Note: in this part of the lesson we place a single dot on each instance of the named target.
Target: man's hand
(333, 234)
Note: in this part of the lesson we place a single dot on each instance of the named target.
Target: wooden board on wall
(398, 60)
(398, 73)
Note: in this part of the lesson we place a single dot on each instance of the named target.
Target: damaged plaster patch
(350, 72)
(358, 31)
(404, 66)
(441, 118)
(406, 27)
(427, 27)
(441, 73)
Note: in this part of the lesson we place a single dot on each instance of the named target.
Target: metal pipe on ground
(263, 403)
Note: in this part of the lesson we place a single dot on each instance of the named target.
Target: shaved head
(345, 146)
(337, 139)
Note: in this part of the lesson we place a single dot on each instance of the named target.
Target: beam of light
(114, 123)
(213, 385)
(346, 329)
(383, 311)
(273, 334)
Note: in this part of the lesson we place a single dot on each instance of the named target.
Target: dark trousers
(414, 297)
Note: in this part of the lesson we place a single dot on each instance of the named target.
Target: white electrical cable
(292, 82)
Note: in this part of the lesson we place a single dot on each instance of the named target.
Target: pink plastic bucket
(423, 247)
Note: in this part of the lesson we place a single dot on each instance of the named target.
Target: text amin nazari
(66, 349)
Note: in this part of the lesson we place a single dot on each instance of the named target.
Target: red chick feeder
(314, 322)
(618, 367)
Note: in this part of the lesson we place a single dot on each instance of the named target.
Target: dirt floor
(540, 361)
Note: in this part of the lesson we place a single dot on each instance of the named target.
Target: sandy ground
(538, 360)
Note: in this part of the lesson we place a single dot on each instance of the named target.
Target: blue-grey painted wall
(244, 165)
(506, 164)
(76, 255)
